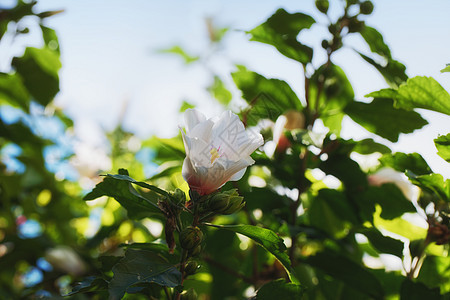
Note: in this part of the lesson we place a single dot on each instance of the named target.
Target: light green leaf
(279, 289)
(185, 105)
(13, 91)
(140, 267)
(433, 183)
(443, 145)
(446, 69)
(267, 239)
(177, 50)
(392, 71)
(281, 31)
(423, 92)
(368, 146)
(219, 91)
(401, 162)
(381, 118)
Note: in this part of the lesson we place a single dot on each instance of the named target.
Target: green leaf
(267, 98)
(185, 105)
(446, 69)
(50, 38)
(281, 31)
(336, 92)
(392, 71)
(13, 91)
(351, 273)
(267, 239)
(119, 187)
(418, 291)
(381, 118)
(435, 272)
(279, 289)
(220, 92)
(401, 162)
(39, 70)
(390, 198)
(89, 284)
(383, 93)
(433, 183)
(140, 267)
(423, 92)
(375, 41)
(443, 146)
(383, 243)
(177, 50)
(368, 146)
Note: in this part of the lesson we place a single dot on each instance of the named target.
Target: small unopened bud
(366, 8)
(195, 251)
(191, 267)
(218, 202)
(235, 203)
(179, 196)
(190, 294)
(190, 237)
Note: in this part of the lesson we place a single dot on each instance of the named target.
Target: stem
(420, 257)
(166, 291)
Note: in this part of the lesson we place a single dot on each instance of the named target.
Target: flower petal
(192, 117)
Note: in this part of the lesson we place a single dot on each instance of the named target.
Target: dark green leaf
(279, 289)
(401, 162)
(13, 91)
(89, 284)
(433, 183)
(39, 70)
(375, 41)
(381, 118)
(383, 243)
(267, 98)
(281, 31)
(140, 267)
(392, 71)
(50, 38)
(346, 170)
(351, 273)
(219, 91)
(418, 291)
(368, 146)
(390, 198)
(267, 239)
(119, 187)
(423, 92)
(446, 69)
(443, 145)
(435, 272)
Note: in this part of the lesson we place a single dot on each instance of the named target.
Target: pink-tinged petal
(237, 176)
(192, 117)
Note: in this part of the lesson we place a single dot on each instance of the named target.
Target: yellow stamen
(214, 154)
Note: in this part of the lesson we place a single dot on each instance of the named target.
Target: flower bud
(191, 267)
(190, 237)
(195, 251)
(235, 203)
(190, 294)
(366, 8)
(322, 5)
(179, 195)
(218, 202)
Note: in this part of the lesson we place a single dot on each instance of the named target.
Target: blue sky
(108, 55)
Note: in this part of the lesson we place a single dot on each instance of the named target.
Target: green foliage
(443, 146)
(446, 69)
(181, 53)
(279, 289)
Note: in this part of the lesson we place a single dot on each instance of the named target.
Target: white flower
(217, 150)
(65, 259)
(388, 175)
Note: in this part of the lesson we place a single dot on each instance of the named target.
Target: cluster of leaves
(297, 236)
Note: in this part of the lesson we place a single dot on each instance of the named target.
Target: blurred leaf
(375, 41)
(391, 199)
(399, 226)
(281, 31)
(139, 267)
(446, 69)
(382, 243)
(346, 170)
(330, 92)
(434, 183)
(177, 50)
(13, 91)
(381, 118)
(50, 38)
(89, 284)
(39, 70)
(383, 93)
(267, 239)
(435, 272)
(185, 105)
(351, 273)
(392, 71)
(220, 92)
(267, 98)
(418, 291)
(119, 187)
(443, 146)
(279, 289)
(368, 146)
(401, 162)
(423, 92)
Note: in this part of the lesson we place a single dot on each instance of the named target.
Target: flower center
(214, 154)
